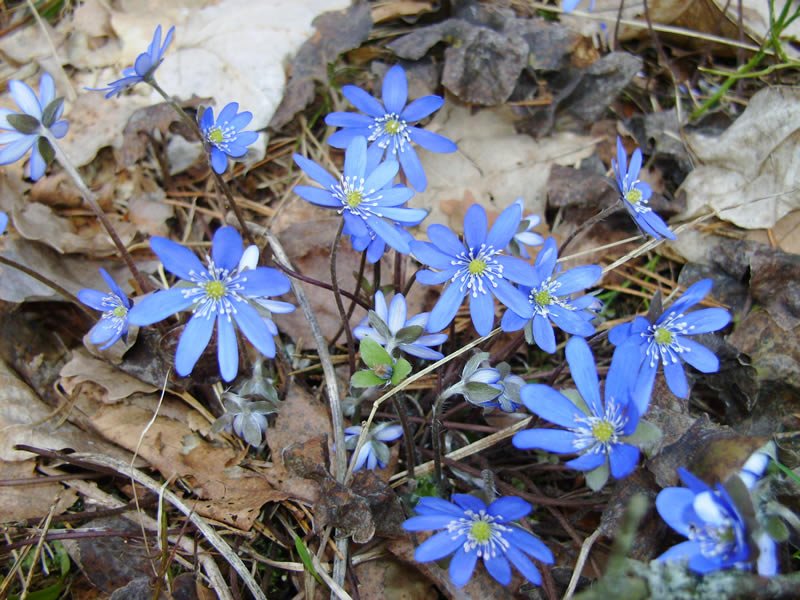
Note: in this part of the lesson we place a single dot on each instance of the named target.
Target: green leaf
(23, 123)
(597, 478)
(408, 335)
(49, 112)
(365, 379)
(473, 364)
(777, 529)
(46, 150)
(401, 370)
(478, 393)
(379, 325)
(305, 557)
(373, 354)
(647, 437)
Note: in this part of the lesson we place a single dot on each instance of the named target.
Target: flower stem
(351, 309)
(436, 443)
(408, 435)
(49, 283)
(320, 284)
(91, 199)
(221, 183)
(588, 224)
(351, 347)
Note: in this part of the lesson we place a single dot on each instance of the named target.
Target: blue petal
(158, 306)
(396, 196)
(524, 565)
(672, 504)
(693, 294)
(462, 565)
(438, 546)
(254, 329)
(421, 350)
(317, 196)
(421, 108)
(619, 333)
(413, 168)
(578, 279)
(552, 440)
(59, 129)
(348, 119)
(404, 216)
(103, 331)
(510, 508)
(676, 379)
(429, 505)
(47, 89)
(571, 321)
(481, 309)
(706, 320)
(700, 357)
(469, 502)
(475, 227)
(390, 234)
(635, 165)
(702, 564)
(516, 269)
(656, 224)
(264, 281)
(511, 321)
(550, 405)
(355, 225)
(343, 137)
(227, 348)
(363, 101)
(623, 459)
(381, 175)
(627, 359)
(543, 334)
(375, 250)
(241, 121)
(355, 158)
(446, 308)
(219, 160)
(36, 164)
(428, 522)
(547, 258)
(681, 552)
(587, 462)
(427, 254)
(93, 298)
(193, 342)
(432, 142)
(512, 298)
(426, 277)
(176, 259)
(498, 568)
(505, 227)
(228, 112)
(315, 172)
(227, 248)
(529, 544)
(14, 151)
(643, 388)
(621, 167)
(25, 98)
(112, 285)
(584, 373)
(395, 90)
(443, 238)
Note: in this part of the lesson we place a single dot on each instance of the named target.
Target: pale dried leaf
(115, 383)
(19, 502)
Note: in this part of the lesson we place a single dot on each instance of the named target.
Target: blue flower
(716, 528)
(246, 418)
(472, 530)
(3, 222)
(594, 431)
(635, 194)
(225, 135)
(475, 267)
(509, 399)
(666, 340)
(388, 125)
(225, 292)
(144, 66)
(569, 5)
(362, 197)
(550, 296)
(396, 320)
(113, 323)
(374, 453)
(524, 236)
(22, 131)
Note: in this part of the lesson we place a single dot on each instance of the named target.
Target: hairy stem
(588, 224)
(408, 435)
(436, 443)
(351, 309)
(320, 284)
(351, 347)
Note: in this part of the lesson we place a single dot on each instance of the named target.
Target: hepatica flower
(472, 530)
(114, 305)
(246, 418)
(225, 136)
(23, 131)
(717, 529)
(374, 453)
(389, 125)
(480, 384)
(550, 296)
(594, 429)
(667, 340)
(396, 331)
(225, 292)
(476, 267)
(524, 236)
(362, 197)
(144, 67)
(3, 222)
(635, 194)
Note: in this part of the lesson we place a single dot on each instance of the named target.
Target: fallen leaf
(24, 501)
(115, 384)
(393, 580)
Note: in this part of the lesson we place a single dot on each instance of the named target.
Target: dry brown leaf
(18, 502)
(115, 384)
(392, 580)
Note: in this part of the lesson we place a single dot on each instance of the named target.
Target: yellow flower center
(215, 136)
(603, 431)
(633, 196)
(215, 290)
(477, 266)
(120, 312)
(663, 336)
(481, 531)
(354, 198)
(392, 126)
(543, 298)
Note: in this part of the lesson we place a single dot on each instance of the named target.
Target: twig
(588, 224)
(351, 309)
(586, 547)
(408, 435)
(37, 553)
(351, 347)
(70, 89)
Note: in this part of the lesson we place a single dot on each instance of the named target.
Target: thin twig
(352, 308)
(408, 435)
(70, 89)
(351, 346)
(586, 547)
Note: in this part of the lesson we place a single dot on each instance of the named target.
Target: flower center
(215, 289)
(354, 198)
(215, 135)
(663, 335)
(598, 433)
(390, 132)
(120, 312)
(481, 531)
(603, 431)
(476, 266)
(392, 126)
(543, 297)
(633, 196)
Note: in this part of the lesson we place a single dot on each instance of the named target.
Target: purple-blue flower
(374, 452)
(362, 197)
(22, 131)
(476, 267)
(3, 222)
(550, 295)
(389, 125)
(635, 194)
(471, 530)
(113, 323)
(226, 292)
(411, 341)
(144, 66)
(595, 431)
(667, 341)
(524, 236)
(225, 135)
(717, 530)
